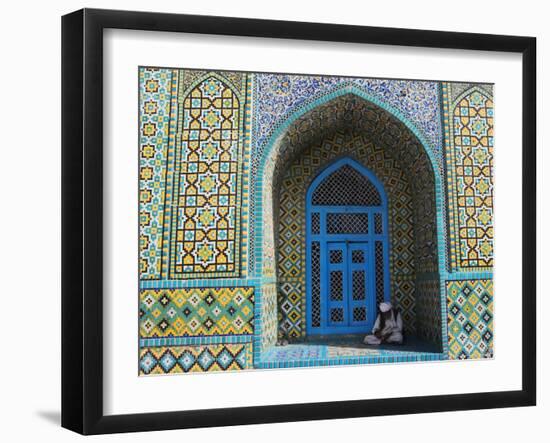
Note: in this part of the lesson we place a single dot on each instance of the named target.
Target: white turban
(385, 307)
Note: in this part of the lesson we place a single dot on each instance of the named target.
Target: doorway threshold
(345, 350)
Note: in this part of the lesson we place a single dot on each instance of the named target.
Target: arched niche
(352, 115)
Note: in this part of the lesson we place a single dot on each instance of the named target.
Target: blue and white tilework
(213, 146)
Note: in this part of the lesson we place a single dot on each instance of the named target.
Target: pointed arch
(469, 91)
(203, 196)
(470, 189)
(276, 152)
(202, 77)
(341, 91)
(348, 161)
(350, 109)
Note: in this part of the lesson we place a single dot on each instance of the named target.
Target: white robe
(393, 330)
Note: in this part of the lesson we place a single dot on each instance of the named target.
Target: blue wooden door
(347, 249)
(349, 283)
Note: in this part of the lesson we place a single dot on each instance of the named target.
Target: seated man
(388, 327)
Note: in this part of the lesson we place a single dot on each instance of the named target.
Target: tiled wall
(470, 318)
(468, 121)
(225, 159)
(469, 149)
(182, 359)
(196, 310)
(291, 230)
(429, 314)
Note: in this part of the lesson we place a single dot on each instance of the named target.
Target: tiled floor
(342, 350)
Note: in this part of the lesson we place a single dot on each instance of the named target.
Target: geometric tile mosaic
(205, 182)
(291, 243)
(470, 319)
(425, 216)
(350, 351)
(277, 96)
(222, 268)
(290, 308)
(428, 309)
(268, 315)
(180, 359)
(457, 89)
(193, 143)
(155, 89)
(469, 136)
(196, 312)
(280, 94)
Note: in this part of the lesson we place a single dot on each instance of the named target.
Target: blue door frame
(343, 269)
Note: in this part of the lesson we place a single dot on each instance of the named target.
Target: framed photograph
(270, 221)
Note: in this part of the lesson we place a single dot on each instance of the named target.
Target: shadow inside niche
(53, 417)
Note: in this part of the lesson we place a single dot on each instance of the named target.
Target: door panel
(337, 286)
(360, 276)
(348, 284)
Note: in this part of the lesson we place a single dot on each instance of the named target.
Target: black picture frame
(82, 220)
